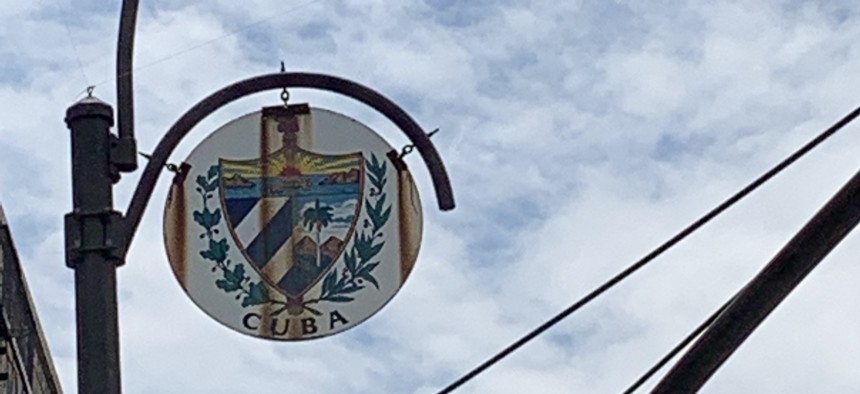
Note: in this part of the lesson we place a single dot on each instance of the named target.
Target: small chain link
(285, 95)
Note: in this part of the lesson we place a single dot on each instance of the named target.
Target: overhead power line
(677, 349)
(213, 40)
(656, 252)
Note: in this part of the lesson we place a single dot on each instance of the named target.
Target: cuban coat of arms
(292, 223)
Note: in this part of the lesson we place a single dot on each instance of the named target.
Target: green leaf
(377, 216)
(226, 285)
(365, 273)
(369, 206)
(211, 182)
(257, 294)
(202, 182)
(212, 186)
(383, 170)
(364, 247)
(360, 239)
(382, 219)
(359, 245)
(367, 269)
(236, 275)
(215, 217)
(213, 171)
(367, 250)
(379, 204)
(374, 167)
(328, 282)
(200, 218)
(218, 250)
(232, 279)
(373, 178)
(373, 164)
(339, 286)
(374, 250)
(349, 259)
(368, 277)
(376, 181)
(207, 218)
(376, 172)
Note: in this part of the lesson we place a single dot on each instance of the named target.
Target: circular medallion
(292, 223)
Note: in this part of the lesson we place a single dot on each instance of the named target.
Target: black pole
(758, 299)
(93, 230)
(126, 158)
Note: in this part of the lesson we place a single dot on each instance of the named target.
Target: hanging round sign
(292, 223)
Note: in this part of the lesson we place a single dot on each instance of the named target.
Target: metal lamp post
(92, 240)
(98, 236)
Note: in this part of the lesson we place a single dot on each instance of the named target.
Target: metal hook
(411, 147)
(90, 90)
(169, 166)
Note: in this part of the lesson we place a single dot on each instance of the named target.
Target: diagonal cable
(656, 252)
(210, 41)
(677, 349)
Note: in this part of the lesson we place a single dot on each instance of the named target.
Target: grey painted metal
(91, 238)
(766, 291)
(143, 192)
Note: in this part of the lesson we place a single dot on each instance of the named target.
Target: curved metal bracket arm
(441, 182)
(125, 156)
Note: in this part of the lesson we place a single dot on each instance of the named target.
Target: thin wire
(75, 49)
(63, 18)
(677, 349)
(81, 93)
(656, 252)
(208, 42)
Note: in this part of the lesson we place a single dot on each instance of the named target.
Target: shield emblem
(292, 211)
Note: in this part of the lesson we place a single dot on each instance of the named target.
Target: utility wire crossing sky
(578, 136)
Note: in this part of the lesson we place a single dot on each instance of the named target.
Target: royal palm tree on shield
(315, 219)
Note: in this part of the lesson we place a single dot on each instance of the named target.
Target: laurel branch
(359, 264)
(233, 278)
(336, 287)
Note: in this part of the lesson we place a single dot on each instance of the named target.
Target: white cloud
(578, 136)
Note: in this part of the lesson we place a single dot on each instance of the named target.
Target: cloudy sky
(578, 135)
